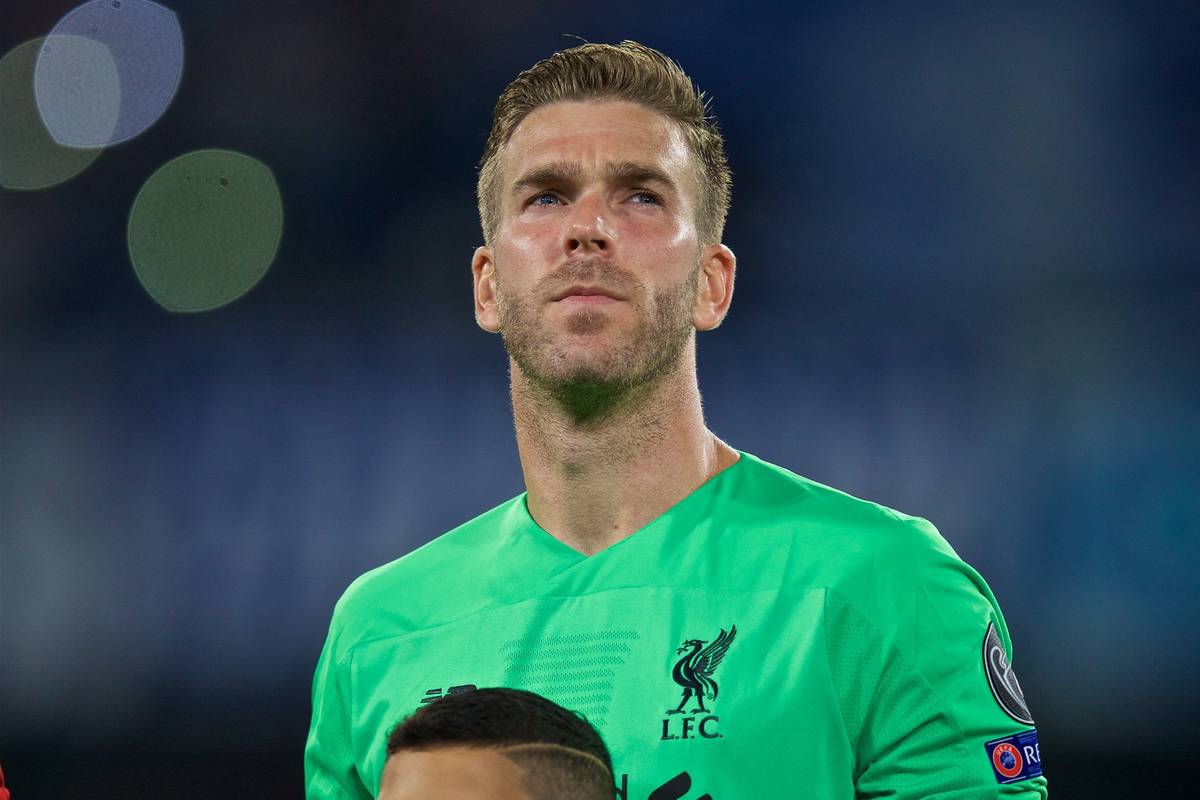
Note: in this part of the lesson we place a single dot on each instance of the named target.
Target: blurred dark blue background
(968, 238)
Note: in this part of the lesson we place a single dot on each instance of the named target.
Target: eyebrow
(621, 172)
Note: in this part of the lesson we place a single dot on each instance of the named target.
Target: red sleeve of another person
(4, 795)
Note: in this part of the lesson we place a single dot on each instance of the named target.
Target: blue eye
(653, 197)
(537, 198)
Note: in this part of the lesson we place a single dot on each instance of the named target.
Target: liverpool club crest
(694, 671)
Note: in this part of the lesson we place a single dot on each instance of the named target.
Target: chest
(694, 691)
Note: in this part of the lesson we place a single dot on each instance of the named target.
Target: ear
(715, 289)
(483, 268)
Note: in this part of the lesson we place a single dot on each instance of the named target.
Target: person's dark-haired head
(496, 744)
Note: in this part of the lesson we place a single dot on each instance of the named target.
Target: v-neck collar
(531, 555)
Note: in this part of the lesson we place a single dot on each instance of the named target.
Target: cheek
(665, 235)
(680, 233)
(524, 253)
(525, 237)
(517, 288)
(672, 249)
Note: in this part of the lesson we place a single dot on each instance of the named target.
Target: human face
(592, 276)
(451, 773)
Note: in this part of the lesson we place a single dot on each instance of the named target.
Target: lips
(597, 293)
(587, 300)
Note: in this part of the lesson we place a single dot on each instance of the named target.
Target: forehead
(451, 773)
(593, 132)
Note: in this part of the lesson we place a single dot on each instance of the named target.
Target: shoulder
(880, 567)
(836, 539)
(813, 510)
(395, 598)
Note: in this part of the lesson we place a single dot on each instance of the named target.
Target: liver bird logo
(694, 671)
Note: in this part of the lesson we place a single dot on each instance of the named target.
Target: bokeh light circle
(145, 43)
(77, 85)
(204, 229)
(30, 158)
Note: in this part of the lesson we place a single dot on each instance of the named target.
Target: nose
(588, 228)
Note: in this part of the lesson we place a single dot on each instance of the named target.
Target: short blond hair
(628, 71)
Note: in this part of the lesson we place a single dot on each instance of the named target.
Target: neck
(598, 471)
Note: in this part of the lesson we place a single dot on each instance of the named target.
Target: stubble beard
(592, 387)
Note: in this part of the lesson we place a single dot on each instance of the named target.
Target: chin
(591, 372)
(583, 367)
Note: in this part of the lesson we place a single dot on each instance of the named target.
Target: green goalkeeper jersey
(766, 637)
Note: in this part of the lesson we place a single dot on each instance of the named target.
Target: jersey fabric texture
(766, 637)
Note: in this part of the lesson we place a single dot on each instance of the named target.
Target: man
(734, 630)
(496, 744)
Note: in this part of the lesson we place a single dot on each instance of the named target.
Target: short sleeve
(906, 650)
(330, 771)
